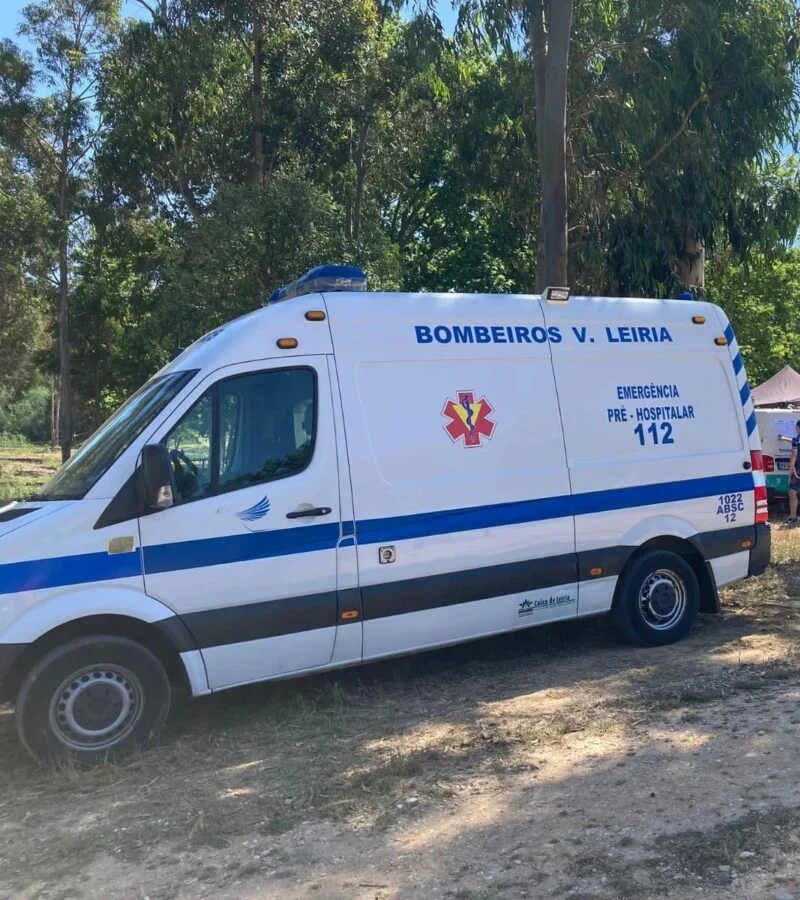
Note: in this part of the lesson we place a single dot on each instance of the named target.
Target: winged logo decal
(256, 512)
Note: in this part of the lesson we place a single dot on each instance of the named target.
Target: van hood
(17, 515)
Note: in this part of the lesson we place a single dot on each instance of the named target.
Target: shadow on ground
(559, 735)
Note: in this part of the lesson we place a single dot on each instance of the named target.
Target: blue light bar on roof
(322, 278)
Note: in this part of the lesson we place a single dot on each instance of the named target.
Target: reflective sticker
(121, 545)
(469, 419)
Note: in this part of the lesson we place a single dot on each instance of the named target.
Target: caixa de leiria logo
(527, 606)
(468, 419)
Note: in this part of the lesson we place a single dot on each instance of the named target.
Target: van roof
(253, 335)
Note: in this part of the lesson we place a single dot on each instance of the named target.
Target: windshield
(79, 475)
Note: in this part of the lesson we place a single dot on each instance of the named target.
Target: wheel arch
(166, 639)
(689, 549)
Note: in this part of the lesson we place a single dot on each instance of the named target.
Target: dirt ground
(552, 763)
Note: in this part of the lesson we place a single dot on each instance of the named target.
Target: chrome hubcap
(662, 599)
(96, 707)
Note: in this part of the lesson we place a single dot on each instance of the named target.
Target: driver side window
(247, 429)
(189, 448)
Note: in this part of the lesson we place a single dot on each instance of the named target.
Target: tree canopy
(215, 150)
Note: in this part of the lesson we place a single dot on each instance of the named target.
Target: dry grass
(24, 469)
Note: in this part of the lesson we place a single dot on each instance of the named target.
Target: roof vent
(322, 278)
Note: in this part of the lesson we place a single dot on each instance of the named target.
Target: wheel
(657, 599)
(91, 700)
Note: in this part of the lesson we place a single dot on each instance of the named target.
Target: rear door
(247, 555)
(655, 434)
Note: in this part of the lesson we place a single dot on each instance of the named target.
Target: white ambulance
(773, 425)
(345, 476)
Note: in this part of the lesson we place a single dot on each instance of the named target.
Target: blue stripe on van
(61, 571)
(94, 567)
(378, 531)
(744, 393)
(744, 390)
(239, 548)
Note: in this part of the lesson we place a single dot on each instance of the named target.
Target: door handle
(309, 513)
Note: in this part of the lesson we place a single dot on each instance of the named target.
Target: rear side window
(246, 430)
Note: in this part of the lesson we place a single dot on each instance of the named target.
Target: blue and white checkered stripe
(744, 389)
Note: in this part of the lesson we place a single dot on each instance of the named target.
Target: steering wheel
(189, 480)
(176, 455)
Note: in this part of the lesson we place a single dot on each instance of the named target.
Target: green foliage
(219, 149)
(466, 220)
(57, 134)
(113, 301)
(26, 416)
(24, 226)
(673, 109)
(760, 298)
(252, 240)
(173, 96)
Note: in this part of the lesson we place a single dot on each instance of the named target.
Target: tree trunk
(187, 192)
(550, 23)
(54, 416)
(537, 37)
(65, 399)
(258, 102)
(361, 176)
(692, 262)
(97, 419)
(184, 183)
(65, 428)
(348, 217)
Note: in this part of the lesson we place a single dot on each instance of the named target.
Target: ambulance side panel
(771, 423)
(656, 436)
(459, 477)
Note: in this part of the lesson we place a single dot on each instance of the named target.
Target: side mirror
(157, 479)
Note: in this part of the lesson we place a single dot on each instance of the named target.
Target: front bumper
(760, 551)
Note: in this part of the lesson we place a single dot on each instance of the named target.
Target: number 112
(666, 433)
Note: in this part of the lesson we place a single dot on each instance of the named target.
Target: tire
(657, 599)
(92, 700)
